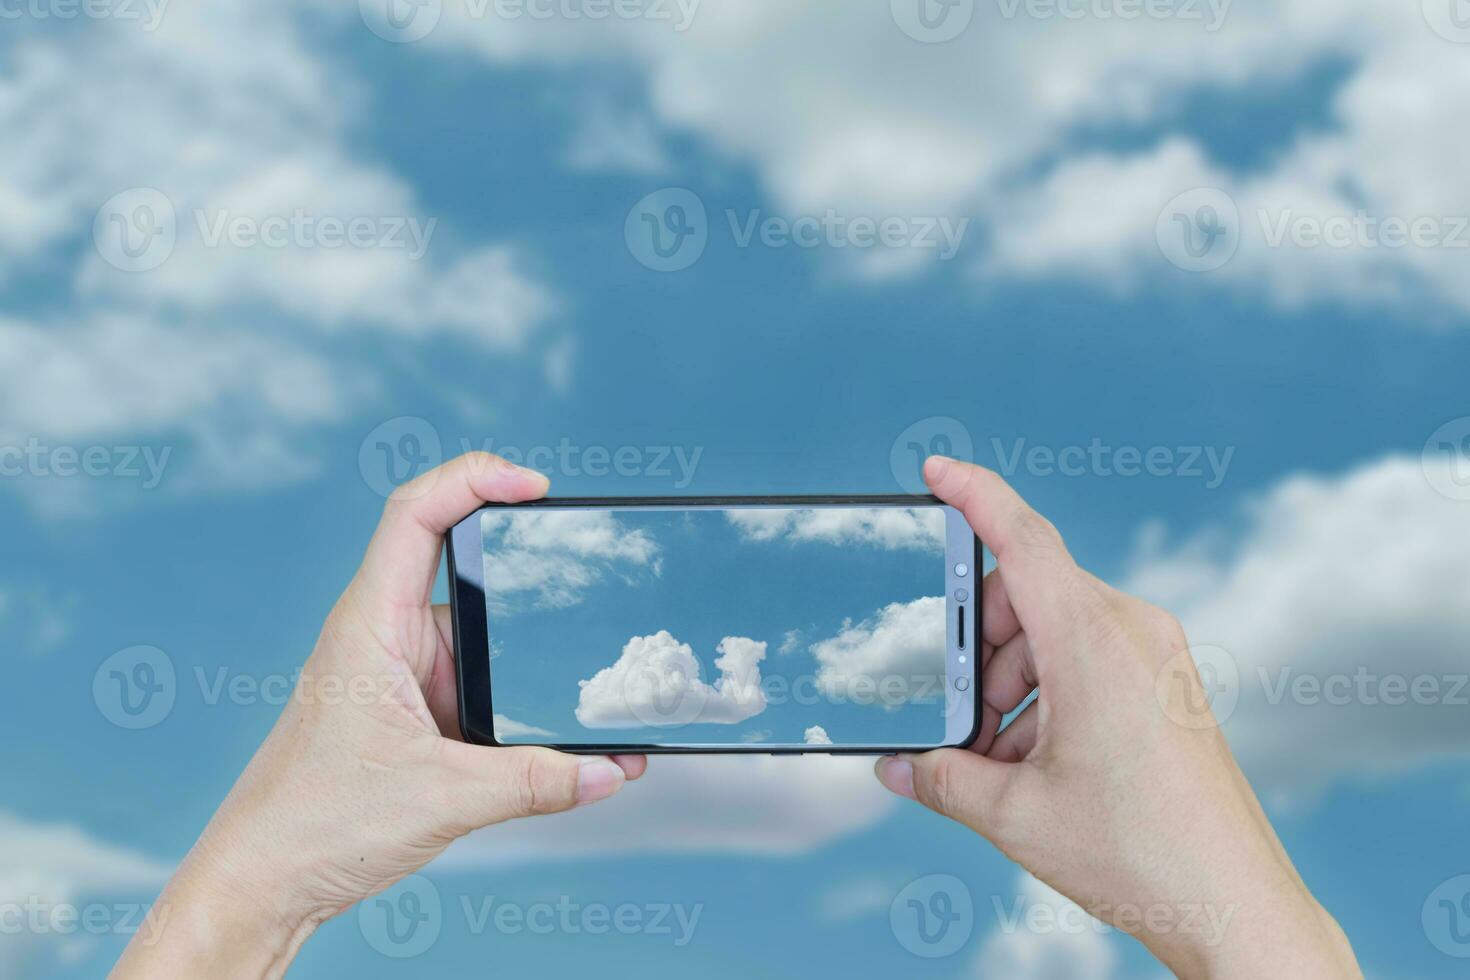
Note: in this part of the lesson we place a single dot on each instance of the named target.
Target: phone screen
(757, 626)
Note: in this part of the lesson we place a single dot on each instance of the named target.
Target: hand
(364, 778)
(1098, 787)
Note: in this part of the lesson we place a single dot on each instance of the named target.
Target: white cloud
(549, 557)
(228, 111)
(891, 528)
(816, 735)
(756, 805)
(656, 682)
(988, 124)
(510, 728)
(56, 865)
(888, 659)
(222, 110)
(182, 374)
(1358, 582)
(236, 398)
(858, 898)
(614, 140)
(1070, 946)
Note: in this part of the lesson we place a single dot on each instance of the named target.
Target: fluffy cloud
(1333, 598)
(891, 528)
(55, 865)
(221, 110)
(991, 122)
(756, 805)
(656, 682)
(548, 557)
(239, 399)
(816, 735)
(893, 657)
(219, 115)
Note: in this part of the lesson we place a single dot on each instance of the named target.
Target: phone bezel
(471, 626)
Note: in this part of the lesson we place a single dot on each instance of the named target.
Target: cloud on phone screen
(656, 683)
(816, 735)
(547, 559)
(891, 528)
(890, 658)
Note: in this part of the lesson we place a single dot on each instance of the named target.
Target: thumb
(498, 784)
(965, 786)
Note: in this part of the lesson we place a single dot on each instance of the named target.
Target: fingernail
(897, 775)
(935, 467)
(598, 779)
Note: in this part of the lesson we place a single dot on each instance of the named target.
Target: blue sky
(1333, 544)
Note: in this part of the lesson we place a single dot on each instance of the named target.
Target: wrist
(212, 920)
(1278, 931)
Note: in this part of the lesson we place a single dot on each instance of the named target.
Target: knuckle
(1037, 534)
(1094, 609)
(1167, 623)
(478, 461)
(1160, 624)
(538, 786)
(938, 791)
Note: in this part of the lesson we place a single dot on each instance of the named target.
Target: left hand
(364, 778)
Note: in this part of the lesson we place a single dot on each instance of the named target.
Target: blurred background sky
(1192, 276)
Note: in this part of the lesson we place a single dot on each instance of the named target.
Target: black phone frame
(472, 631)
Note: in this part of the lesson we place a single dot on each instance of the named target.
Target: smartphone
(782, 625)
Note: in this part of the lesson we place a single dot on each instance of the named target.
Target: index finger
(1041, 579)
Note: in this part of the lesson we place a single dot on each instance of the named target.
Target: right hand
(1094, 788)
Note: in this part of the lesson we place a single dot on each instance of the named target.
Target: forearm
(209, 922)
